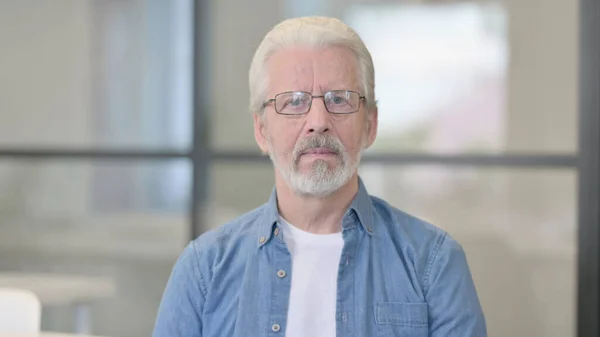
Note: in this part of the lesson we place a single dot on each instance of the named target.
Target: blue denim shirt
(398, 276)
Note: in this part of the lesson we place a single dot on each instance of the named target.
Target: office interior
(125, 133)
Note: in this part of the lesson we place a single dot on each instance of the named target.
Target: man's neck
(315, 215)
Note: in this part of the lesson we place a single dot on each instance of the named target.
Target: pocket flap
(401, 313)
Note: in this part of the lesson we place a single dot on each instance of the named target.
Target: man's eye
(337, 100)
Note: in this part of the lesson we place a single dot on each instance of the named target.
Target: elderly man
(321, 257)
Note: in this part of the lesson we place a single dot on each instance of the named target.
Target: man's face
(317, 152)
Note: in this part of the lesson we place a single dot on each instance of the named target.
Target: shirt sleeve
(454, 308)
(180, 311)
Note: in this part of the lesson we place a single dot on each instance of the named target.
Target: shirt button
(276, 231)
(262, 239)
(275, 327)
(370, 230)
(281, 273)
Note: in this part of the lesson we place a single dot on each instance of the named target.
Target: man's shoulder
(231, 236)
(406, 229)
(399, 221)
(416, 239)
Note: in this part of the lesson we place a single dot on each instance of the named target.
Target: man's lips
(321, 151)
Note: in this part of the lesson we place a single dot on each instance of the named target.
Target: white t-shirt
(315, 262)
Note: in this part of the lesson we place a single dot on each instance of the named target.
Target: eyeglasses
(299, 102)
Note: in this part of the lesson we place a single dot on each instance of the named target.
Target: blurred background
(125, 132)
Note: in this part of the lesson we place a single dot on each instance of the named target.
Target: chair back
(20, 311)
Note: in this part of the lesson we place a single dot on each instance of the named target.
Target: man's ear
(372, 121)
(260, 132)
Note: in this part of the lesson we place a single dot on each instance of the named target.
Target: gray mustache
(319, 141)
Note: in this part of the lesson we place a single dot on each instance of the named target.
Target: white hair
(316, 32)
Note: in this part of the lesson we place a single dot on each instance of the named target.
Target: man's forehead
(329, 68)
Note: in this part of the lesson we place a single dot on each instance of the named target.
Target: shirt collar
(361, 206)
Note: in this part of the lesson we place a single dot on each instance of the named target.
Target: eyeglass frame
(360, 98)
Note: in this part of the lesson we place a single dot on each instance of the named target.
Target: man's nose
(318, 118)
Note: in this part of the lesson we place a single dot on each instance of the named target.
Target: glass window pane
(517, 226)
(451, 76)
(237, 188)
(126, 222)
(96, 73)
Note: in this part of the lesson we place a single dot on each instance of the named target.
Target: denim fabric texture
(398, 276)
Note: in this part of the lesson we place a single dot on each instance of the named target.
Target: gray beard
(320, 180)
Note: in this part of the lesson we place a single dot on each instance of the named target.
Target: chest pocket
(395, 319)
